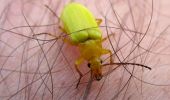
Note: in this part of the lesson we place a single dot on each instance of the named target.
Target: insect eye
(101, 61)
(89, 65)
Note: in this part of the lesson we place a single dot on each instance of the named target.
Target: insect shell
(83, 30)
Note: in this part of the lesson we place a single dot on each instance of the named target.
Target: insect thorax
(91, 49)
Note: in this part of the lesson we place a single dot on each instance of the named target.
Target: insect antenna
(128, 64)
(52, 12)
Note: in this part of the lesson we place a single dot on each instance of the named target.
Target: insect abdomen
(79, 22)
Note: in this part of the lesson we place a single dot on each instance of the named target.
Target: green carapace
(80, 23)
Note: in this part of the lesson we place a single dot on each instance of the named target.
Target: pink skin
(32, 71)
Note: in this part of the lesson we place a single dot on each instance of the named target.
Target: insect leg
(62, 29)
(66, 40)
(77, 63)
(99, 21)
(107, 37)
(44, 34)
(106, 51)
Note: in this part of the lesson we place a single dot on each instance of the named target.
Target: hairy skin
(41, 67)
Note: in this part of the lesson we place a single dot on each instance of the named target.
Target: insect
(84, 32)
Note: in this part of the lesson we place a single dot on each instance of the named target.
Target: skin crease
(39, 70)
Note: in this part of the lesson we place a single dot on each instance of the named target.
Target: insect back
(83, 30)
(79, 23)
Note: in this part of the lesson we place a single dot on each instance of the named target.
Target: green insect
(83, 30)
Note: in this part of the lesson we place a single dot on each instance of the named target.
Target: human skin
(35, 67)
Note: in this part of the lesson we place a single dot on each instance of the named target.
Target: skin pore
(41, 67)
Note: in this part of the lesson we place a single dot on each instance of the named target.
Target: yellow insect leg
(77, 63)
(106, 51)
(66, 40)
(62, 29)
(44, 34)
(107, 37)
(99, 21)
(50, 34)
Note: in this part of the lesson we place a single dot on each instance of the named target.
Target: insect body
(84, 32)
